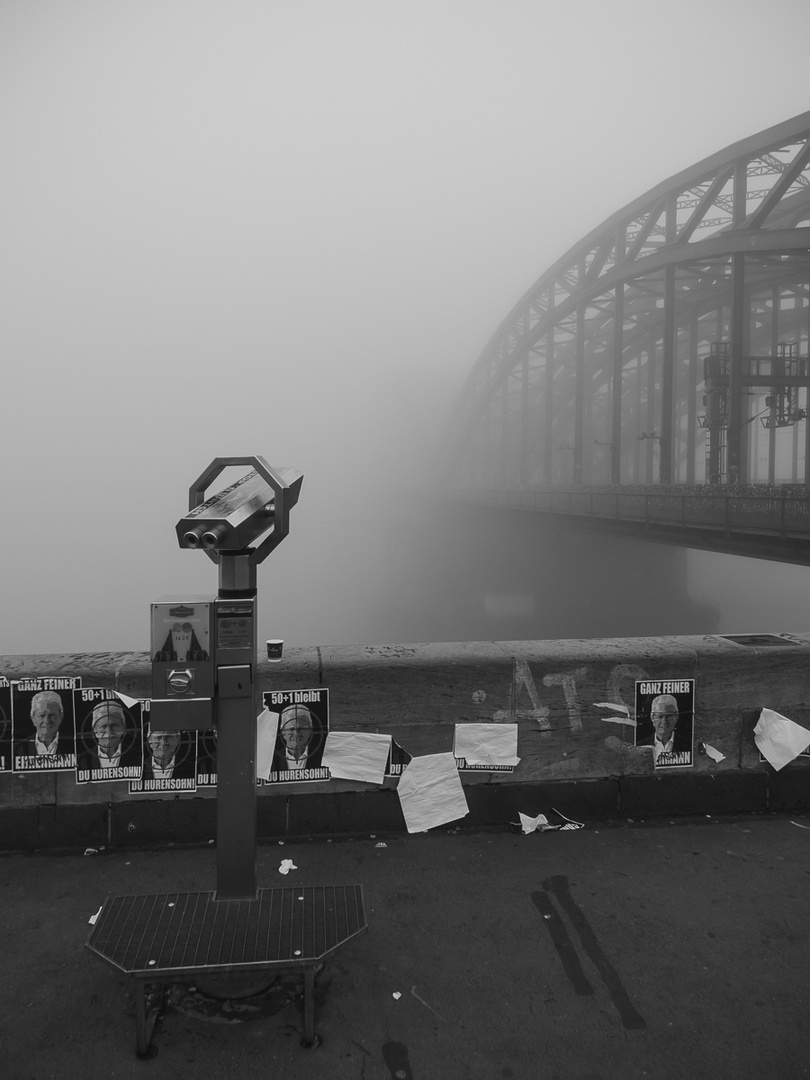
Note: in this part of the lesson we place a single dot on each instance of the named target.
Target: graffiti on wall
(557, 704)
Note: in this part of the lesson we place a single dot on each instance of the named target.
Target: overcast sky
(288, 229)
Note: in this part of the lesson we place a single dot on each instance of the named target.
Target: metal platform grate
(169, 933)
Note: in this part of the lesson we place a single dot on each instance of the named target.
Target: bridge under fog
(653, 383)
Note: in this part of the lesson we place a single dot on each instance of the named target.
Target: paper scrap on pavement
(267, 724)
(569, 822)
(356, 755)
(715, 755)
(487, 744)
(286, 866)
(779, 740)
(430, 792)
(94, 918)
(531, 824)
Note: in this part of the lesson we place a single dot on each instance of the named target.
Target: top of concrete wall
(113, 664)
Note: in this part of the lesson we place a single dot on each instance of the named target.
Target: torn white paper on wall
(625, 718)
(430, 792)
(779, 740)
(267, 724)
(715, 755)
(487, 744)
(130, 702)
(356, 755)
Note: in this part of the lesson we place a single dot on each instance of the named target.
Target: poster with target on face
(302, 719)
(42, 724)
(109, 736)
(169, 760)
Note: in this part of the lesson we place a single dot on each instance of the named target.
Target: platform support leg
(309, 1006)
(144, 1021)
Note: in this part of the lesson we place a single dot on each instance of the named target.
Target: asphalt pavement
(665, 950)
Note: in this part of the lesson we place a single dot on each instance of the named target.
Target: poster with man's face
(169, 760)
(42, 723)
(303, 724)
(5, 725)
(109, 736)
(665, 720)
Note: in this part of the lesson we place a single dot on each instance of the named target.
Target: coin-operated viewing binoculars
(204, 647)
(238, 515)
(197, 639)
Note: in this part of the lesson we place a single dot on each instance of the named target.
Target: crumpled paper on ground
(531, 824)
(542, 824)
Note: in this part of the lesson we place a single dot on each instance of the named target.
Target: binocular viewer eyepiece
(222, 535)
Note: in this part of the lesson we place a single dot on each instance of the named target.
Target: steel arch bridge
(668, 347)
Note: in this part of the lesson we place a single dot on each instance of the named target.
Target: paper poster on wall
(665, 720)
(398, 760)
(266, 736)
(803, 756)
(303, 724)
(169, 760)
(207, 758)
(5, 724)
(487, 747)
(42, 723)
(430, 793)
(779, 739)
(357, 755)
(181, 632)
(109, 736)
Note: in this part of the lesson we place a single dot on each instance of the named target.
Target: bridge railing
(777, 515)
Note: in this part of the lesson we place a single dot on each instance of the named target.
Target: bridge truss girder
(597, 375)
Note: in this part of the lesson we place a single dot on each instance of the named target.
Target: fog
(288, 229)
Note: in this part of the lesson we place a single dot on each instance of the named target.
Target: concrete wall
(571, 757)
